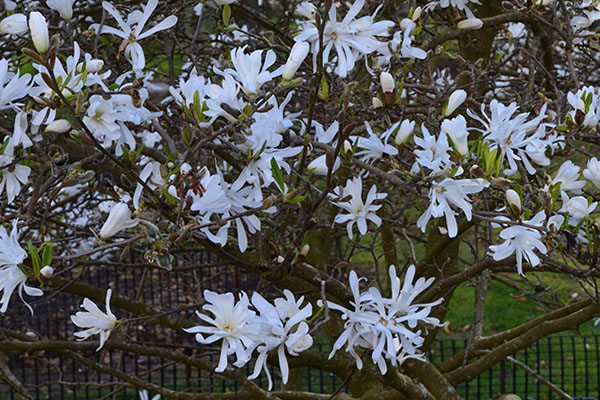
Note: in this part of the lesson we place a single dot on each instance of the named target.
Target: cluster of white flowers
(390, 328)
(11, 275)
(279, 326)
(249, 103)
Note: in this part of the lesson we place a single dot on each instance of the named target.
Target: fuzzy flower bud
(377, 103)
(513, 198)
(118, 219)
(39, 32)
(387, 82)
(297, 56)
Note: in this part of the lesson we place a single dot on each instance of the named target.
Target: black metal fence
(570, 362)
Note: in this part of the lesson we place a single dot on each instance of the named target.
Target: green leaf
(226, 14)
(47, 254)
(277, 175)
(35, 260)
(324, 91)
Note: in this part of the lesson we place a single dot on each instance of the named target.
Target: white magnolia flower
(64, 7)
(39, 32)
(144, 393)
(268, 126)
(118, 219)
(577, 207)
(359, 212)
(587, 101)
(297, 55)
(319, 165)
(351, 38)
(592, 172)
(15, 24)
(13, 177)
(456, 129)
(131, 36)
(521, 241)
(401, 44)
(274, 328)
(323, 135)
(11, 252)
(567, 176)
(152, 176)
(250, 71)
(511, 135)
(434, 153)
(12, 277)
(19, 136)
(375, 146)
(101, 119)
(95, 321)
(454, 101)
(451, 192)
(232, 323)
(12, 86)
(385, 326)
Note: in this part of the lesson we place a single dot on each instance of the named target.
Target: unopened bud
(295, 59)
(329, 159)
(417, 13)
(406, 129)
(290, 195)
(348, 148)
(513, 198)
(47, 272)
(39, 32)
(470, 23)
(476, 170)
(58, 126)
(377, 103)
(387, 82)
(305, 250)
(454, 101)
(268, 202)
